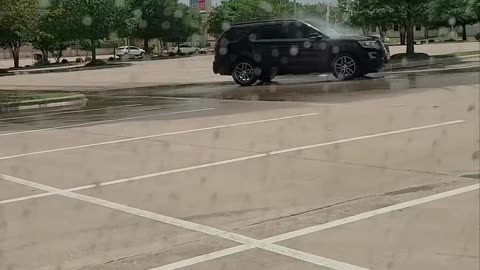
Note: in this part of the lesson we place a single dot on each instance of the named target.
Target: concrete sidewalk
(182, 71)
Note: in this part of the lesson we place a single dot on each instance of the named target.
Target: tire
(345, 67)
(197, 51)
(141, 55)
(245, 72)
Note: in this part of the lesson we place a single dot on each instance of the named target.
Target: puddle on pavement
(322, 88)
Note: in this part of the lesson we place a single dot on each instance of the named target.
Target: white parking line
(229, 161)
(19, 199)
(103, 122)
(250, 242)
(269, 243)
(157, 135)
(69, 112)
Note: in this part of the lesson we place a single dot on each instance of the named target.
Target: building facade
(203, 6)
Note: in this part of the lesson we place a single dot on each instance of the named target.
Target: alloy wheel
(244, 72)
(345, 66)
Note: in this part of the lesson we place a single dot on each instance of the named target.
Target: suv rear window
(234, 34)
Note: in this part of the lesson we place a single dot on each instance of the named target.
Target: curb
(424, 63)
(72, 69)
(155, 87)
(67, 101)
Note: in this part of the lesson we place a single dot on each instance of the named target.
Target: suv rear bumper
(222, 68)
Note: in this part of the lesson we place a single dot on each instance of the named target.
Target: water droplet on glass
(452, 21)
(143, 24)
(335, 50)
(323, 46)
(120, 3)
(178, 13)
(275, 53)
(137, 13)
(113, 36)
(294, 51)
(87, 20)
(226, 26)
(167, 12)
(307, 44)
(252, 37)
(166, 25)
(265, 6)
(44, 3)
(223, 51)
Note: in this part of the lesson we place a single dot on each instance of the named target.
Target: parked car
(131, 51)
(477, 36)
(184, 49)
(261, 50)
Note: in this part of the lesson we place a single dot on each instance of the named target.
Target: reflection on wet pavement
(320, 88)
(312, 88)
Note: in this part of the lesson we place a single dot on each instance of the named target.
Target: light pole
(295, 8)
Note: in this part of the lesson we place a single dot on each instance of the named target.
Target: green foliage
(184, 23)
(153, 17)
(52, 34)
(91, 20)
(451, 13)
(17, 24)
(474, 6)
(234, 11)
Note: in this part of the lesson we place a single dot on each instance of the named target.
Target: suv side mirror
(315, 36)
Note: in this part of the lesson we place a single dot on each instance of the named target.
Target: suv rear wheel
(245, 73)
(345, 67)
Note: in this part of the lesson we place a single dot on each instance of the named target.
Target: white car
(185, 49)
(131, 51)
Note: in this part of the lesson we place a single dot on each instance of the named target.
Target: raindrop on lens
(87, 20)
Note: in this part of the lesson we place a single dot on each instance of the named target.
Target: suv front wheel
(245, 73)
(345, 67)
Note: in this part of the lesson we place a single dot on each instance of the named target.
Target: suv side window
(299, 31)
(234, 34)
(272, 31)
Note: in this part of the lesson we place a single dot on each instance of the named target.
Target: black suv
(261, 50)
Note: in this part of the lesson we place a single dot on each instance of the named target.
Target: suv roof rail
(264, 21)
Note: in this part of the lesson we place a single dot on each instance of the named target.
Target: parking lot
(371, 179)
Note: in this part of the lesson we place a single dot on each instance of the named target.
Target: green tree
(474, 6)
(153, 18)
(372, 14)
(234, 11)
(52, 34)
(451, 13)
(92, 20)
(17, 22)
(414, 14)
(185, 23)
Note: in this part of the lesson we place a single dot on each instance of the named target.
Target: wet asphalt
(284, 91)
(305, 180)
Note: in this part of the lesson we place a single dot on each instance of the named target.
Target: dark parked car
(261, 50)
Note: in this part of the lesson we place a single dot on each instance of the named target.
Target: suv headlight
(369, 44)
